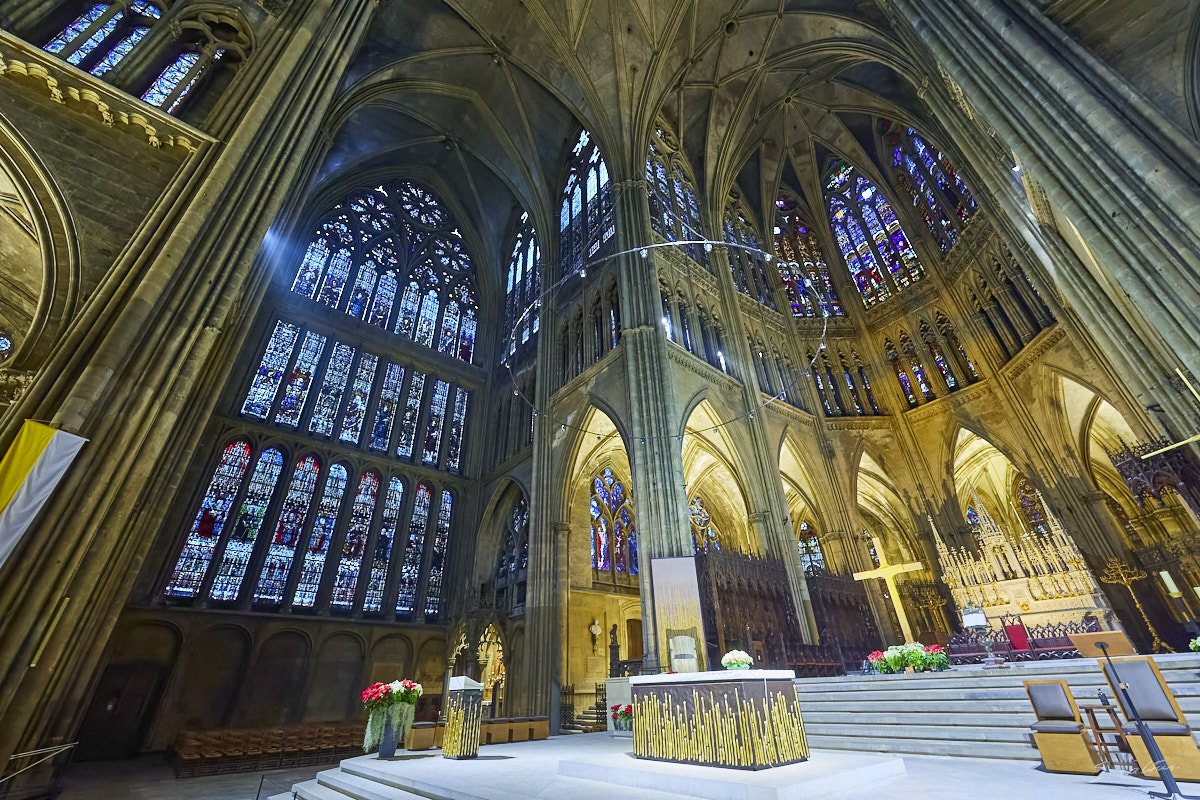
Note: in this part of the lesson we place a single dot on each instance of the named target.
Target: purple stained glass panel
(322, 533)
(360, 396)
(337, 372)
(388, 529)
(437, 416)
(269, 375)
(300, 380)
(209, 521)
(362, 513)
(292, 516)
(170, 77)
(437, 563)
(238, 549)
(414, 551)
(406, 436)
(385, 413)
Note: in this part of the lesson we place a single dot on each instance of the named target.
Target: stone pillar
(183, 293)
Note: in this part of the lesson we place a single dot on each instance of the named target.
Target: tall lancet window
(1032, 508)
(809, 545)
(746, 259)
(104, 34)
(614, 527)
(393, 257)
(521, 315)
(802, 266)
(586, 222)
(674, 210)
(938, 193)
(872, 242)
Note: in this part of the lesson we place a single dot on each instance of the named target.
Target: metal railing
(46, 754)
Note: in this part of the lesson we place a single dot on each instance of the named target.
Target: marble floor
(514, 772)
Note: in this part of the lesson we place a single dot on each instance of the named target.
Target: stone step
(283, 796)
(926, 747)
(360, 788)
(927, 731)
(312, 790)
(954, 719)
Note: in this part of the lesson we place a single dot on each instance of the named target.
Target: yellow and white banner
(29, 471)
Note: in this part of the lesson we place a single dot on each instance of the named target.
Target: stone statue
(595, 630)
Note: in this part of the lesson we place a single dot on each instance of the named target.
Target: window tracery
(704, 533)
(614, 529)
(746, 260)
(933, 185)
(395, 239)
(104, 34)
(1032, 509)
(522, 291)
(674, 211)
(869, 235)
(802, 263)
(586, 220)
(809, 544)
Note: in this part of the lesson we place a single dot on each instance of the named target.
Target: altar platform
(598, 766)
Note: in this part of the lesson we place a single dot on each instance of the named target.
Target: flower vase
(740, 666)
(387, 744)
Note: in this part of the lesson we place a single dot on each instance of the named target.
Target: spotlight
(708, 247)
(1016, 168)
(583, 273)
(645, 252)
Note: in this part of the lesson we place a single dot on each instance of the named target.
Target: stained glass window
(322, 534)
(164, 85)
(850, 387)
(388, 529)
(119, 51)
(414, 551)
(385, 412)
(209, 521)
(943, 366)
(822, 390)
(398, 251)
(869, 235)
(810, 549)
(362, 512)
(614, 533)
(77, 28)
(239, 548)
(360, 395)
(864, 382)
(901, 373)
(704, 535)
(300, 380)
(407, 434)
(337, 372)
(917, 367)
(1032, 508)
(458, 424)
(802, 266)
(522, 290)
(104, 31)
(674, 212)
(6, 344)
(288, 529)
(946, 328)
(972, 517)
(586, 221)
(746, 259)
(271, 368)
(437, 564)
(938, 194)
(437, 415)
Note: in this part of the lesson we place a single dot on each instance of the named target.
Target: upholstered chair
(1159, 711)
(1058, 733)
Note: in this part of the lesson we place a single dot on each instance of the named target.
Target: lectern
(464, 716)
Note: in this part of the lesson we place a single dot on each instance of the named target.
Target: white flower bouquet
(737, 659)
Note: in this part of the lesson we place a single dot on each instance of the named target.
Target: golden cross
(1195, 438)
(889, 572)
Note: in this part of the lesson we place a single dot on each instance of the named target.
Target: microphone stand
(1160, 763)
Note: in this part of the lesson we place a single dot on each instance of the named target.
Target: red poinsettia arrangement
(620, 712)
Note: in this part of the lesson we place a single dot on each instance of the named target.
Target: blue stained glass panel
(406, 436)
(364, 287)
(335, 279)
(337, 372)
(76, 28)
(269, 375)
(210, 520)
(383, 545)
(385, 413)
(362, 512)
(119, 51)
(437, 564)
(437, 415)
(301, 379)
(414, 551)
(410, 303)
(427, 319)
(166, 82)
(458, 424)
(385, 296)
(238, 549)
(322, 533)
(288, 529)
(93, 41)
(449, 334)
(311, 268)
(360, 395)
(466, 338)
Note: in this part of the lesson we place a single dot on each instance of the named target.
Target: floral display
(922, 658)
(1194, 645)
(621, 713)
(737, 659)
(392, 703)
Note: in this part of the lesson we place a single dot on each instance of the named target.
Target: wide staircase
(963, 712)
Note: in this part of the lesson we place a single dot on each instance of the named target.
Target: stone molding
(694, 364)
(84, 94)
(1032, 352)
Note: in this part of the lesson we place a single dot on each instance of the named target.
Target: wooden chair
(1058, 732)
(1158, 709)
(539, 728)
(494, 731)
(519, 729)
(421, 736)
